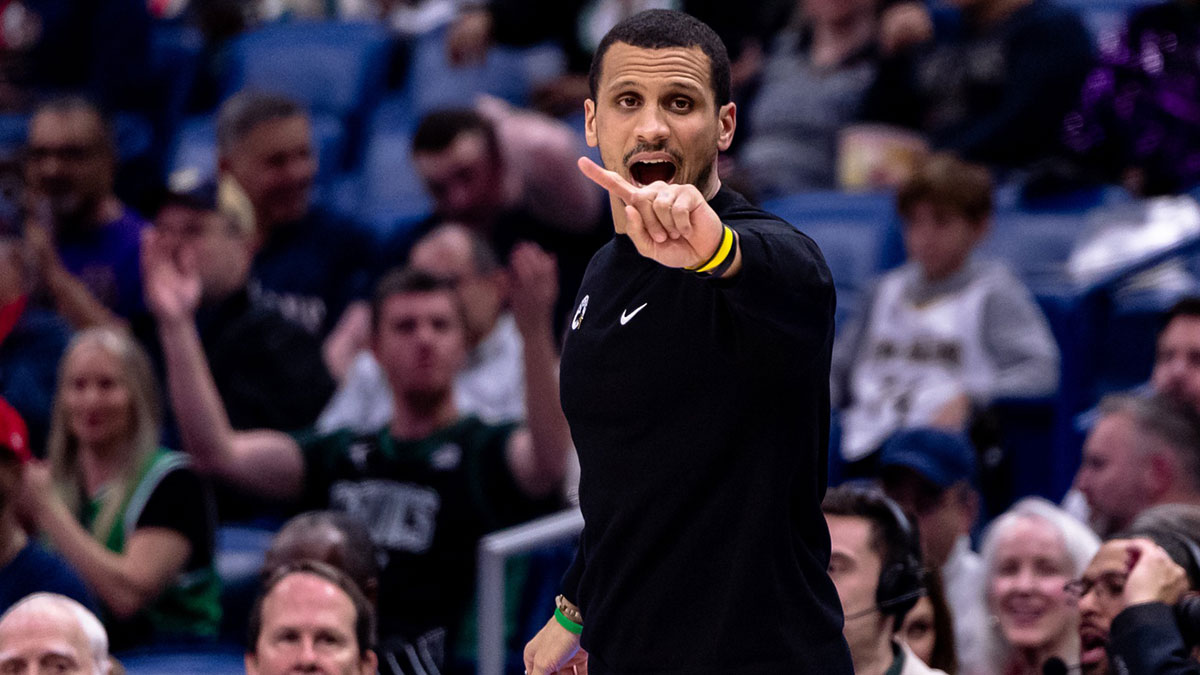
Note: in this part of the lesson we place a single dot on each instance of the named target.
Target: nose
(652, 125)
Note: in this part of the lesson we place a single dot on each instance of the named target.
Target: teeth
(653, 161)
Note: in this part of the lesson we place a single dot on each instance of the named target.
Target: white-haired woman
(1030, 553)
(132, 518)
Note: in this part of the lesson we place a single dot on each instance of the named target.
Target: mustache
(653, 147)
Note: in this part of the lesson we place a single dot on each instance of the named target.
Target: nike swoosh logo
(626, 317)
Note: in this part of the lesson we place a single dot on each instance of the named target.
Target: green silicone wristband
(567, 623)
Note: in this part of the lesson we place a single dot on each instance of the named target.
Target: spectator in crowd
(269, 371)
(344, 542)
(132, 518)
(511, 185)
(97, 49)
(1030, 552)
(875, 563)
(928, 629)
(430, 484)
(491, 384)
(1126, 592)
(944, 335)
(1176, 371)
(311, 618)
(812, 85)
(1139, 115)
(46, 632)
(25, 567)
(993, 85)
(32, 341)
(84, 240)
(307, 265)
(931, 474)
(1143, 451)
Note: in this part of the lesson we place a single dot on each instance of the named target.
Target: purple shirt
(106, 260)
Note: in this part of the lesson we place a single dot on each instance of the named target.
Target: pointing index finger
(609, 180)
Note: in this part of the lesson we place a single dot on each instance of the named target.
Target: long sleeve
(1144, 640)
(1018, 339)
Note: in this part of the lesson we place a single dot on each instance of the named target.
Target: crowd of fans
(231, 349)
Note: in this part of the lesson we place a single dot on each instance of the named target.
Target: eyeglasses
(1108, 586)
(66, 153)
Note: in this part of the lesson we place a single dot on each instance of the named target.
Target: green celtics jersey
(426, 502)
(189, 608)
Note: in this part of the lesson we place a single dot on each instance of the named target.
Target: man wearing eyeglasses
(1127, 596)
(85, 241)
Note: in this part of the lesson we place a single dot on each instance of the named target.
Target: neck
(12, 537)
(874, 658)
(835, 40)
(995, 11)
(1029, 660)
(101, 463)
(419, 415)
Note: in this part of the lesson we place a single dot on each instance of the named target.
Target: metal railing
(494, 550)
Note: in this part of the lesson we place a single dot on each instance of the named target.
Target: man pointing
(695, 379)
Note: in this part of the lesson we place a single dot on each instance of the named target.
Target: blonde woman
(1030, 553)
(131, 517)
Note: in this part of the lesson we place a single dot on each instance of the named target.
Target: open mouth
(1092, 643)
(648, 171)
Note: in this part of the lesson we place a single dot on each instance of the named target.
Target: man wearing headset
(876, 566)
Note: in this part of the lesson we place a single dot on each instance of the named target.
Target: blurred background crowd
(284, 280)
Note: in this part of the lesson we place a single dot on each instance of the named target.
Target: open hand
(668, 223)
(533, 274)
(169, 277)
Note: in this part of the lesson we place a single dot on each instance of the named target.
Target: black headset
(902, 578)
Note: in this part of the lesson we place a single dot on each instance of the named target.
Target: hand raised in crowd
(1153, 576)
(169, 277)
(35, 493)
(904, 25)
(555, 651)
(668, 223)
(533, 274)
(39, 240)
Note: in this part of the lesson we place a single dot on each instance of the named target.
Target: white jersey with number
(915, 358)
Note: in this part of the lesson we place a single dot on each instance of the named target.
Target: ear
(370, 663)
(589, 123)
(1161, 473)
(727, 116)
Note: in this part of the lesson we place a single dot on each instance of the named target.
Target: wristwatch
(569, 610)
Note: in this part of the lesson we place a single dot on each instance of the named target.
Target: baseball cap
(192, 189)
(14, 436)
(941, 457)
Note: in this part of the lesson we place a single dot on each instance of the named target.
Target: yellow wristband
(722, 253)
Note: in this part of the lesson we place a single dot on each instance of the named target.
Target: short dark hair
(408, 280)
(1188, 306)
(246, 110)
(69, 103)
(948, 182)
(662, 29)
(439, 129)
(358, 559)
(893, 538)
(484, 259)
(364, 614)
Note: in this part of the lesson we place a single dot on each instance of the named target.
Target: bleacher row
(363, 131)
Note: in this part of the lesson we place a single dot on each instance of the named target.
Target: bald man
(47, 633)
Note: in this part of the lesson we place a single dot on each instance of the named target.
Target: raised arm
(72, 299)
(537, 454)
(267, 462)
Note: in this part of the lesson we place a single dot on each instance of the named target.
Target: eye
(680, 104)
(627, 101)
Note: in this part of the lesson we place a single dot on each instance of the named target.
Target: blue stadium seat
(1035, 246)
(434, 83)
(852, 231)
(239, 560)
(185, 660)
(335, 68)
